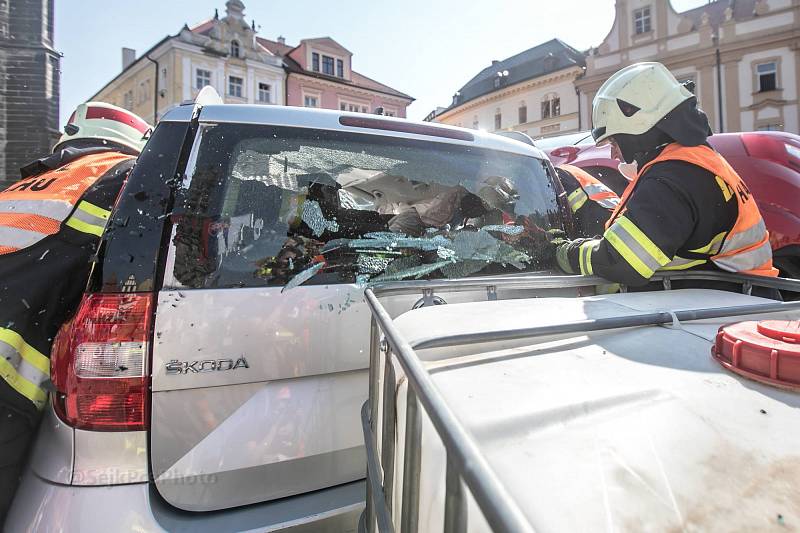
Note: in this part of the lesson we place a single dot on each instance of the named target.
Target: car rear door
(260, 357)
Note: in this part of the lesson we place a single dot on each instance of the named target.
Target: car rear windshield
(278, 206)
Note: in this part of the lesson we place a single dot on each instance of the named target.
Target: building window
(641, 20)
(144, 91)
(770, 127)
(327, 65)
(523, 113)
(311, 101)
(767, 76)
(202, 77)
(315, 62)
(340, 68)
(235, 85)
(234, 48)
(498, 120)
(353, 108)
(389, 112)
(127, 100)
(551, 106)
(264, 93)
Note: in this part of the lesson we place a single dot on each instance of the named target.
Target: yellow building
(221, 52)
(743, 56)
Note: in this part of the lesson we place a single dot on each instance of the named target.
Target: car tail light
(99, 363)
(781, 150)
(567, 152)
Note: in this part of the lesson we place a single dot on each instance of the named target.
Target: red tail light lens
(99, 363)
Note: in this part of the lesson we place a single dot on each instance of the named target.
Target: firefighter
(50, 224)
(590, 201)
(685, 207)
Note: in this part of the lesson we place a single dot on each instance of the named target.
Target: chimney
(495, 62)
(128, 57)
(281, 39)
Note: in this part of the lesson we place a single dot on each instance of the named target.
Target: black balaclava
(686, 125)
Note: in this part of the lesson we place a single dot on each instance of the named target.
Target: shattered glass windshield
(277, 206)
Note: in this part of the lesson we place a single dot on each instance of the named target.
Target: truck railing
(464, 460)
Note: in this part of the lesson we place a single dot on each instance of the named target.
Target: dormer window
(340, 68)
(327, 65)
(315, 62)
(234, 48)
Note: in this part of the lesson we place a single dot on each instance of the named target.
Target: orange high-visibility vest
(746, 247)
(36, 207)
(593, 188)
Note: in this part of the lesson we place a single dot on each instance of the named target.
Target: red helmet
(98, 120)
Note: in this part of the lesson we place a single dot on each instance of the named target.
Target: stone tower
(29, 84)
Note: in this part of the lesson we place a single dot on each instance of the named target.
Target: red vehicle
(769, 162)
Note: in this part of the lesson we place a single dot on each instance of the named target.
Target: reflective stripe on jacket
(590, 189)
(746, 246)
(36, 207)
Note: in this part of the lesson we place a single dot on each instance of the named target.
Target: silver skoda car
(212, 377)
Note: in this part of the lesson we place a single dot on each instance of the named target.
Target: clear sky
(426, 48)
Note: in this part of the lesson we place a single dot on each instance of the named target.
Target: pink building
(319, 74)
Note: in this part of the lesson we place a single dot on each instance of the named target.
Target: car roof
(361, 123)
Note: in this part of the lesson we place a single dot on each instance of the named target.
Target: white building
(532, 92)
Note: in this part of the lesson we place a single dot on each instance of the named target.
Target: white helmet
(634, 99)
(98, 120)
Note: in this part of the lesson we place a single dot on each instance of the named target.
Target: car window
(573, 139)
(276, 206)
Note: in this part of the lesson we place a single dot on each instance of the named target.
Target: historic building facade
(29, 84)
(532, 92)
(743, 55)
(227, 54)
(320, 74)
(222, 52)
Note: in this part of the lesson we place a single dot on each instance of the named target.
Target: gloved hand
(562, 257)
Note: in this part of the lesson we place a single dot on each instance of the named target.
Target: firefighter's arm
(589, 215)
(660, 217)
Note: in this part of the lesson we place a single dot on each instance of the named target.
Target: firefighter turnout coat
(687, 208)
(50, 224)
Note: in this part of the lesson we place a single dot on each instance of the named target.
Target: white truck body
(627, 429)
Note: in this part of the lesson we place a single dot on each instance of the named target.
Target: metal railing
(464, 460)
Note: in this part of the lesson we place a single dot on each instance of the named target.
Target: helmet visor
(598, 133)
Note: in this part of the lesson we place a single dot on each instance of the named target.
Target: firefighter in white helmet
(685, 206)
(50, 224)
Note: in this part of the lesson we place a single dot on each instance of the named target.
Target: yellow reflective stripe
(94, 210)
(635, 247)
(585, 257)
(32, 392)
(679, 263)
(576, 199)
(643, 240)
(82, 226)
(712, 247)
(726, 191)
(628, 255)
(33, 356)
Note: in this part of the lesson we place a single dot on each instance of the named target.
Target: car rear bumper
(42, 506)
